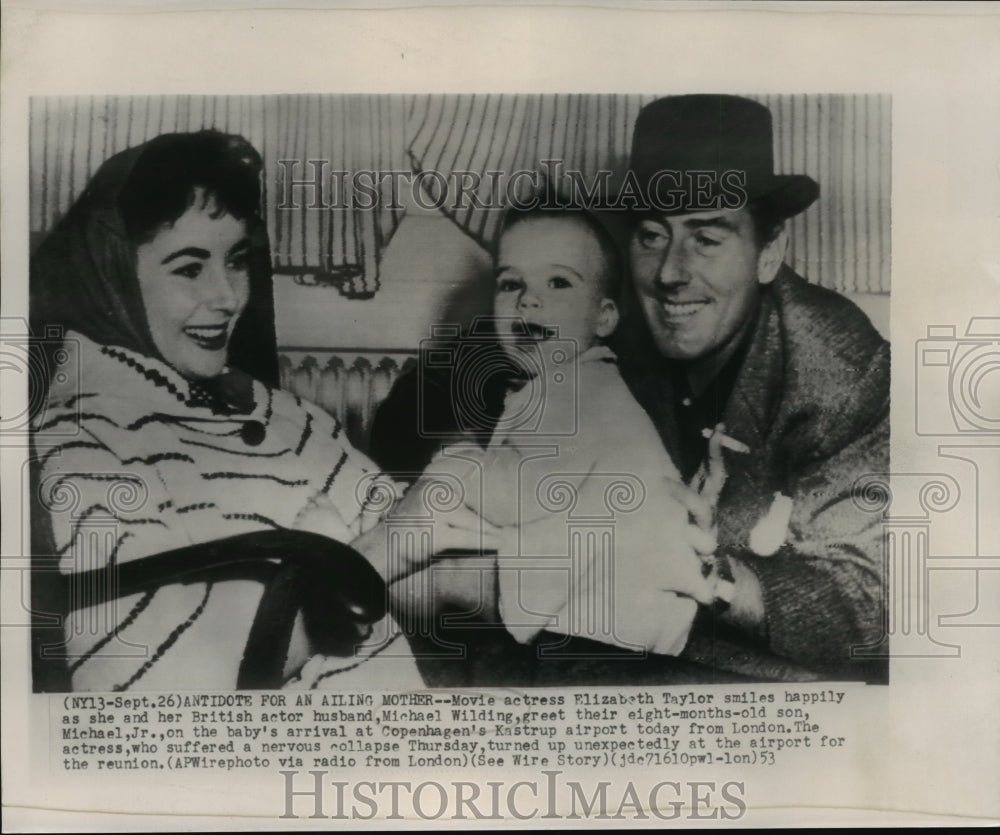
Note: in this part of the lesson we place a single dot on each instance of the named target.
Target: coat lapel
(750, 410)
(749, 417)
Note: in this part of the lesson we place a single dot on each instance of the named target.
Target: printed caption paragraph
(600, 730)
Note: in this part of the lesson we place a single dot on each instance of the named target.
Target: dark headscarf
(83, 276)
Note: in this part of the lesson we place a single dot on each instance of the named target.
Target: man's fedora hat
(703, 152)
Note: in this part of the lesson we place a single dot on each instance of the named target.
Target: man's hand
(701, 497)
(711, 476)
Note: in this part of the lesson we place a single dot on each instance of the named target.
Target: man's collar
(711, 372)
(742, 393)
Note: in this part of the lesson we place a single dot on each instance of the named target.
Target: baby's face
(548, 287)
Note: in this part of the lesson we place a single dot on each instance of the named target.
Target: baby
(575, 474)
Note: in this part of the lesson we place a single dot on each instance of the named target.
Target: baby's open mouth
(532, 332)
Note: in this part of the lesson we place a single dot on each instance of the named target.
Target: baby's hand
(466, 584)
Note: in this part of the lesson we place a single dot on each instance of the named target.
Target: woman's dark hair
(83, 274)
(163, 181)
(553, 207)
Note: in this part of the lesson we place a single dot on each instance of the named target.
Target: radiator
(349, 384)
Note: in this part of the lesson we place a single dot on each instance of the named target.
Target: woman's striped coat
(135, 461)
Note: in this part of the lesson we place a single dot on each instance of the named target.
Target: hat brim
(784, 195)
(779, 196)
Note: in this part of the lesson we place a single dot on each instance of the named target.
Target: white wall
(431, 272)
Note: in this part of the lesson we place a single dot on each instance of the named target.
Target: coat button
(253, 433)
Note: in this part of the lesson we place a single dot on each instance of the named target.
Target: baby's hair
(555, 208)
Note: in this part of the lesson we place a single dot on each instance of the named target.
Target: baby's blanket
(587, 518)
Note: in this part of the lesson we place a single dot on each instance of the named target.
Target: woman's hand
(426, 521)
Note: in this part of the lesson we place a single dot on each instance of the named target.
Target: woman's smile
(209, 337)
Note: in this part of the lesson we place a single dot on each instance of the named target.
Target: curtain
(843, 142)
(312, 238)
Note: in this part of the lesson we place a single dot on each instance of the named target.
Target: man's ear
(771, 256)
(607, 319)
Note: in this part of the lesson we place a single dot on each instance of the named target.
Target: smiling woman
(151, 276)
(194, 277)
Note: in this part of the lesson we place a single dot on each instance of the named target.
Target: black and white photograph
(568, 450)
(580, 381)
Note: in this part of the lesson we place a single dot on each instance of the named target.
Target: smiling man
(720, 330)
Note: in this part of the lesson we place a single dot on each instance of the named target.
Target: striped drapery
(311, 236)
(842, 141)
(324, 135)
(511, 133)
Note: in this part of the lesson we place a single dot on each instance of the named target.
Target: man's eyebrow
(193, 251)
(239, 246)
(717, 222)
